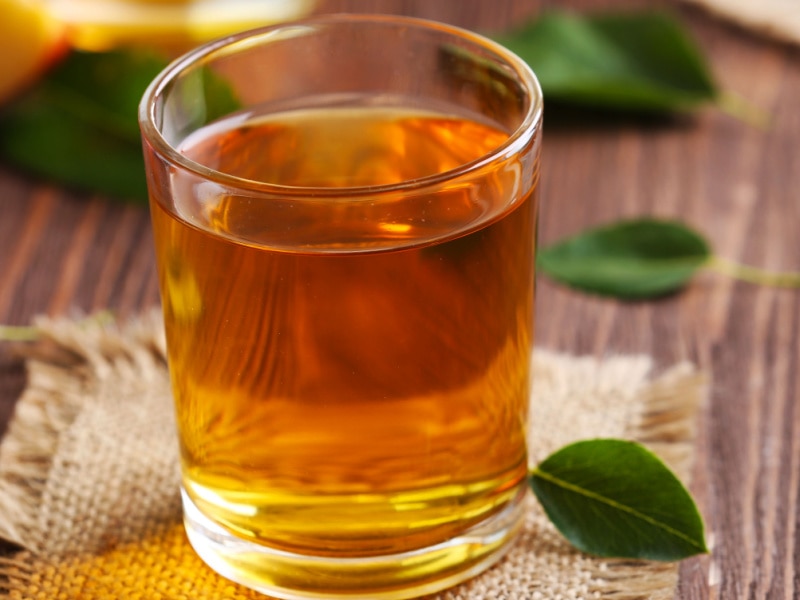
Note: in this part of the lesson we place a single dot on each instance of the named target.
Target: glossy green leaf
(79, 126)
(642, 61)
(615, 498)
(633, 259)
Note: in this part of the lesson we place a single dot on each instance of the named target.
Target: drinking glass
(344, 212)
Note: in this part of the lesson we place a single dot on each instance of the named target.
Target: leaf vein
(537, 472)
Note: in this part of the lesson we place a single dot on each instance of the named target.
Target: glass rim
(516, 139)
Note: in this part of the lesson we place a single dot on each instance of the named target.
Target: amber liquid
(351, 377)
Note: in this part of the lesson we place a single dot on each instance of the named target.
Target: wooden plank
(62, 252)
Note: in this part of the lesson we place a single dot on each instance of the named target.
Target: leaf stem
(739, 108)
(11, 333)
(31, 333)
(755, 275)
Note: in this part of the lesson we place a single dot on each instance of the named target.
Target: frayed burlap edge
(667, 426)
(71, 354)
(774, 19)
(59, 367)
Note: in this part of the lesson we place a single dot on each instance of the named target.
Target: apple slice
(31, 40)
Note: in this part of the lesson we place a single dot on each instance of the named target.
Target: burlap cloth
(89, 475)
(778, 19)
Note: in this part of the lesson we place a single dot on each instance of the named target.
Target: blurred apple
(31, 40)
(172, 25)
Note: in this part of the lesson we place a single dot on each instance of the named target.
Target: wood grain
(62, 252)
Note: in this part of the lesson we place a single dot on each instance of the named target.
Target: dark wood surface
(64, 253)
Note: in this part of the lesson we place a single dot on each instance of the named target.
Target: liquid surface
(350, 376)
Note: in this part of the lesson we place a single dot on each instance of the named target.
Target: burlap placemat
(778, 19)
(89, 475)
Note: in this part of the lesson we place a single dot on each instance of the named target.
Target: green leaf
(634, 259)
(615, 498)
(79, 127)
(642, 61)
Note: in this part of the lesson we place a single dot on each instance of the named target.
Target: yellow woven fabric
(89, 474)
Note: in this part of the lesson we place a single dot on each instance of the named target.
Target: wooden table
(65, 253)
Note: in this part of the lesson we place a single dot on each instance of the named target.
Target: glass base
(389, 577)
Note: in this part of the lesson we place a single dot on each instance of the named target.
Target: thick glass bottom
(387, 577)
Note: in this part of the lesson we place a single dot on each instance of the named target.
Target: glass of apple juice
(344, 212)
